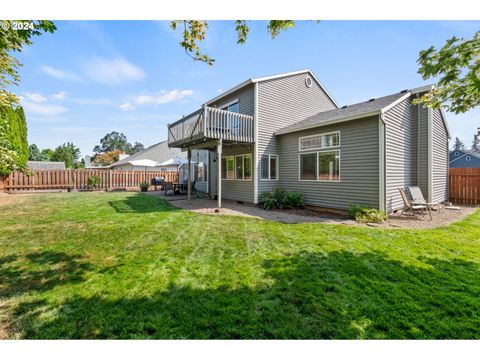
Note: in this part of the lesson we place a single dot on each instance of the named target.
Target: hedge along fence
(78, 179)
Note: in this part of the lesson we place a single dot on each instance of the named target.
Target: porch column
(189, 183)
(219, 175)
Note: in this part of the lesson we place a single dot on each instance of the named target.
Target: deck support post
(189, 182)
(219, 175)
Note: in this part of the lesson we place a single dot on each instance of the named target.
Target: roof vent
(372, 99)
(344, 106)
(404, 91)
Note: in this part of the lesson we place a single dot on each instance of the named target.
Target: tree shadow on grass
(340, 295)
(139, 203)
(39, 271)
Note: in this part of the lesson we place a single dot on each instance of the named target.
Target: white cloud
(112, 71)
(43, 109)
(60, 74)
(60, 95)
(126, 106)
(35, 97)
(164, 97)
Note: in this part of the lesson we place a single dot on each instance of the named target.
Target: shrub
(144, 186)
(294, 200)
(94, 181)
(281, 199)
(365, 214)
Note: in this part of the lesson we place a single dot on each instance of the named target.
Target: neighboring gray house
(46, 165)
(287, 131)
(157, 152)
(464, 159)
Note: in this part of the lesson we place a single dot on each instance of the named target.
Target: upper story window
(231, 106)
(319, 141)
(468, 158)
(457, 153)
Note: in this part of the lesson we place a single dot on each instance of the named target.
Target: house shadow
(139, 203)
(43, 271)
(304, 296)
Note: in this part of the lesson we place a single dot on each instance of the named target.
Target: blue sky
(90, 78)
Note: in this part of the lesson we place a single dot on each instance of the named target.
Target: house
(464, 159)
(159, 153)
(46, 165)
(287, 131)
(170, 159)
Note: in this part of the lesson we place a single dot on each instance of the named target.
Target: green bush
(144, 186)
(282, 199)
(94, 181)
(294, 200)
(13, 140)
(365, 214)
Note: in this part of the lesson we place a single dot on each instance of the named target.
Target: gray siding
(400, 152)
(439, 157)
(245, 98)
(282, 102)
(240, 190)
(423, 150)
(359, 166)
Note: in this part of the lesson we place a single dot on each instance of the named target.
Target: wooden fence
(464, 186)
(78, 179)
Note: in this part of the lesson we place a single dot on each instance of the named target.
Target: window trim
(318, 166)
(278, 167)
(320, 134)
(235, 166)
(226, 105)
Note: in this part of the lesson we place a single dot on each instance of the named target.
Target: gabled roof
(345, 113)
(271, 77)
(465, 153)
(157, 152)
(374, 106)
(46, 165)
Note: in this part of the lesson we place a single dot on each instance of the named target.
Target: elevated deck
(208, 124)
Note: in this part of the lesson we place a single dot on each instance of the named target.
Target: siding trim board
(430, 155)
(255, 146)
(381, 165)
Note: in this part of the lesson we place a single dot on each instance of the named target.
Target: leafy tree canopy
(457, 64)
(107, 158)
(195, 31)
(13, 41)
(116, 141)
(68, 153)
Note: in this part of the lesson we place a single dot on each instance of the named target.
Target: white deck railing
(211, 123)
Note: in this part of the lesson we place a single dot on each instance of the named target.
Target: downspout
(381, 164)
(255, 146)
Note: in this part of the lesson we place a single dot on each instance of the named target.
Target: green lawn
(125, 265)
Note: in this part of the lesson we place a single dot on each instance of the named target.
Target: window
(319, 141)
(328, 166)
(228, 168)
(201, 171)
(308, 166)
(237, 167)
(457, 153)
(468, 158)
(269, 167)
(320, 166)
(247, 167)
(233, 107)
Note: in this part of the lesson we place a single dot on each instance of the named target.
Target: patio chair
(168, 187)
(418, 198)
(409, 207)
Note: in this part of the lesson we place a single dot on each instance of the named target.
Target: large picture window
(238, 167)
(269, 167)
(320, 166)
(319, 141)
(308, 166)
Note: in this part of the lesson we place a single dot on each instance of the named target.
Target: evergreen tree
(459, 145)
(68, 153)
